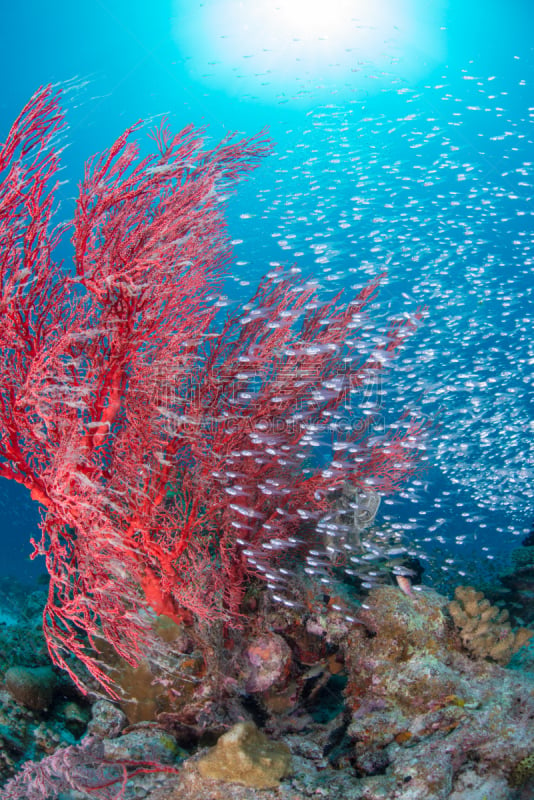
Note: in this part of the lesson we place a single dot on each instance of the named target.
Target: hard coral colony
(171, 453)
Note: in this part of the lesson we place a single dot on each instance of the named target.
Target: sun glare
(300, 49)
(318, 18)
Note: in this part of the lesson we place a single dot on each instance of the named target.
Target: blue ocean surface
(404, 145)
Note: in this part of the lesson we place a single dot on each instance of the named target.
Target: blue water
(416, 157)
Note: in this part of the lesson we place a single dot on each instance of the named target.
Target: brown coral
(33, 687)
(484, 629)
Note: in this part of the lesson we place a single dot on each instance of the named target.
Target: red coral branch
(118, 385)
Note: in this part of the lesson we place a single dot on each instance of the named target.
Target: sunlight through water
(290, 50)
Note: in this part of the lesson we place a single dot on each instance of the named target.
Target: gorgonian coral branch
(119, 384)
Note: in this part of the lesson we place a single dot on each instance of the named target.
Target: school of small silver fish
(435, 187)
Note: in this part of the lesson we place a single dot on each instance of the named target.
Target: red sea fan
(171, 453)
(82, 768)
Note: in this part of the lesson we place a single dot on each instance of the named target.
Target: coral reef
(423, 712)
(412, 715)
(485, 630)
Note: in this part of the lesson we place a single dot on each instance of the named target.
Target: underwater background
(403, 147)
(403, 143)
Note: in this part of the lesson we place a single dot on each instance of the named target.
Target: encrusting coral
(245, 755)
(484, 629)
